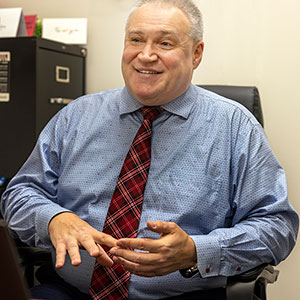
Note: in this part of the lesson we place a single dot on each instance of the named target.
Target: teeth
(147, 72)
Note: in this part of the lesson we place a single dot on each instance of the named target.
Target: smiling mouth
(148, 72)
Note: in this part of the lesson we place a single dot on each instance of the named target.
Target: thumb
(161, 227)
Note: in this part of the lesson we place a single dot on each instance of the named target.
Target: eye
(166, 44)
(136, 40)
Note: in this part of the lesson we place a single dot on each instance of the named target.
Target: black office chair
(250, 285)
(245, 95)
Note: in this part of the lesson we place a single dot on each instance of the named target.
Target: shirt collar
(180, 106)
(128, 104)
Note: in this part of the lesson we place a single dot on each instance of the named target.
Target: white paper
(12, 22)
(68, 31)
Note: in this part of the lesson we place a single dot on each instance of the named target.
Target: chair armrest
(251, 284)
(30, 258)
(34, 256)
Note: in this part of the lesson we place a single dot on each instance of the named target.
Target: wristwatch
(189, 272)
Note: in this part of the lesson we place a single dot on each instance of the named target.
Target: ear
(197, 53)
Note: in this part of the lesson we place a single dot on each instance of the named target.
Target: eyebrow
(163, 32)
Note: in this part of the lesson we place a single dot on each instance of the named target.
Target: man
(215, 199)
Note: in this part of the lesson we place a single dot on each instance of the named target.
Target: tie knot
(151, 112)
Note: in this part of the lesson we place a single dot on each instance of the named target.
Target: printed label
(4, 76)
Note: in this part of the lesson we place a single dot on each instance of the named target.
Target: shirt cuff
(208, 255)
(43, 219)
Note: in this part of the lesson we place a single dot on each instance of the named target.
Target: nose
(147, 54)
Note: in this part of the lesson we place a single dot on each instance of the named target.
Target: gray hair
(187, 6)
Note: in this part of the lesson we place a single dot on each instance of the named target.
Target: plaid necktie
(125, 209)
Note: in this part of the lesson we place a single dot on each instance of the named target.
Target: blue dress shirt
(212, 172)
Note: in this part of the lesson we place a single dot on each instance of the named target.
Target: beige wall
(248, 42)
(257, 42)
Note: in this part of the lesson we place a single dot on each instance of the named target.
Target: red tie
(125, 209)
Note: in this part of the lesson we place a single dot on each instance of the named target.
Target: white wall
(248, 42)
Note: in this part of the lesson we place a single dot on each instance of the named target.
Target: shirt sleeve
(264, 226)
(30, 201)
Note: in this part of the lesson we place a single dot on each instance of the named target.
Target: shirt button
(207, 270)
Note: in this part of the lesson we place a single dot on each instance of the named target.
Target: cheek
(128, 55)
(176, 61)
(125, 64)
(183, 66)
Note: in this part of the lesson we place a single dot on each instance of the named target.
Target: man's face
(159, 56)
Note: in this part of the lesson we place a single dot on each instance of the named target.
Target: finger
(103, 259)
(140, 244)
(143, 270)
(104, 239)
(161, 227)
(60, 255)
(133, 267)
(73, 250)
(137, 257)
(87, 242)
(95, 250)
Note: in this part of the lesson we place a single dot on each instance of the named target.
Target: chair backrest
(245, 95)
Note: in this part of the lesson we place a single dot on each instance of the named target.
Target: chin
(145, 96)
(147, 101)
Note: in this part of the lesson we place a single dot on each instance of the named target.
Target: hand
(174, 250)
(68, 232)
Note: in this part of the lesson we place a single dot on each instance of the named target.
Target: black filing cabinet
(37, 78)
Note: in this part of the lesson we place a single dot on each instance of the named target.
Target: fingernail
(153, 224)
(94, 252)
(120, 244)
(113, 251)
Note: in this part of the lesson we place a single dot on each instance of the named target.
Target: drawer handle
(60, 100)
(62, 74)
